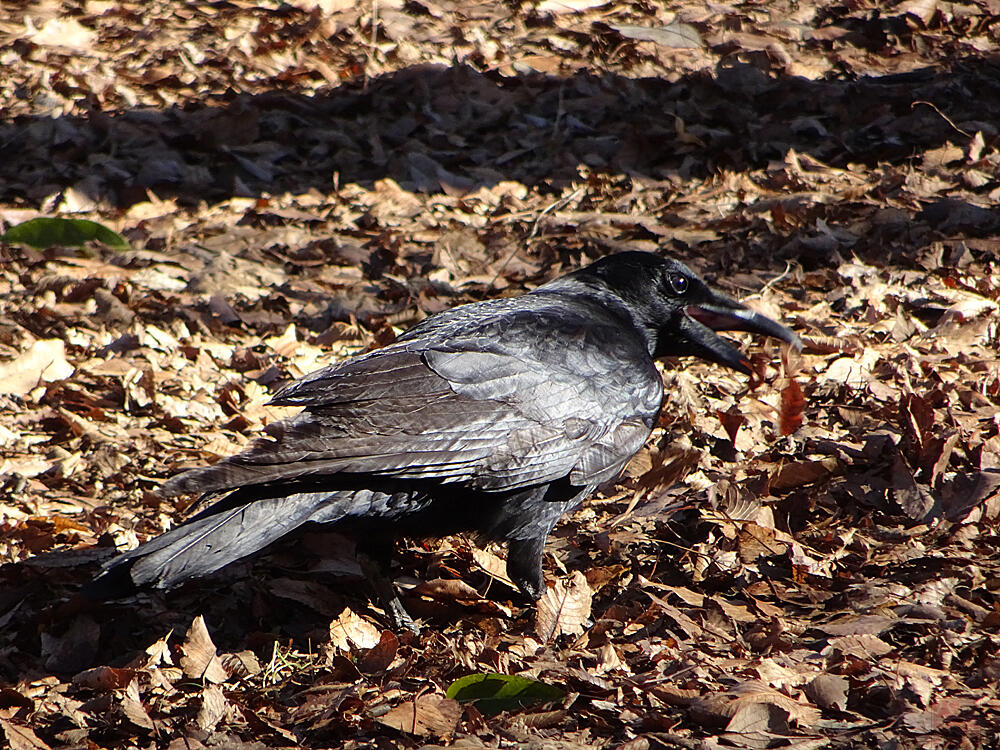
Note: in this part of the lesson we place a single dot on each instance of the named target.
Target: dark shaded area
(432, 128)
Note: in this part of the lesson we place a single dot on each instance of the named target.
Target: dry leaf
(21, 737)
(724, 707)
(800, 473)
(378, 658)
(564, 608)
(133, 708)
(44, 362)
(426, 715)
(569, 6)
(829, 691)
(448, 589)
(212, 709)
(792, 405)
(861, 646)
(350, 632)
(67, 33)
(104, 678)
(677, 35)
(199, 658)
(492, 565)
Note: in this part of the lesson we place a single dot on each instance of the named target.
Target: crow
(495, 417)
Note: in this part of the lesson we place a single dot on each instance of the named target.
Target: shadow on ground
(452, 129)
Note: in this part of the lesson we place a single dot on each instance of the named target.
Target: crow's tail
(211, 540)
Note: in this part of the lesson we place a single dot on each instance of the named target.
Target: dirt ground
(807, 558)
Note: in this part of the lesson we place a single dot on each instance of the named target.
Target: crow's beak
(719, 313)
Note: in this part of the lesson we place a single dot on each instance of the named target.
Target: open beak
(700, 321)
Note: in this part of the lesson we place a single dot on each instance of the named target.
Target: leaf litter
(807, 559)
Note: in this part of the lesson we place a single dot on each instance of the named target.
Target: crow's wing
(497, 397)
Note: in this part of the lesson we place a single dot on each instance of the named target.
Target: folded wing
(496, 402)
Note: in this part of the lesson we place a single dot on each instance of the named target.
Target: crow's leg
(524, 565)
(375, 558)
(529, 518)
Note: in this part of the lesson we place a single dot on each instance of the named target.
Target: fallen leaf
(20, 737)
(564, 608)
(724, 707)
(213, 708)
(64, 32)
(569, 6)
(829, 691)
(861, 646)
(426, 715)
(378, 658)
(792, 405)
(677, 35)
(133, 708)
(44, 362)
(199, 657)
(350, 632)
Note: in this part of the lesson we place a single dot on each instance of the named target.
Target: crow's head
(676, 311)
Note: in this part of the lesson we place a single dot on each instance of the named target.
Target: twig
(943, 117)
(550, 208)
(776, 279)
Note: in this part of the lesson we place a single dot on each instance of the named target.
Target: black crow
(495, 417)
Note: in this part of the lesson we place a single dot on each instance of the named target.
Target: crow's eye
(679, 283)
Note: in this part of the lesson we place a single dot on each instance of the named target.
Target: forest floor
(299, 181)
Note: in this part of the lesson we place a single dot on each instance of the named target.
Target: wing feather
(500, 402)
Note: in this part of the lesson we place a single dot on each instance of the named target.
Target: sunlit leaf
(677, 35)
(46, 231)
(493, 693)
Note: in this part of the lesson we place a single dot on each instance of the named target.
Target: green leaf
(45, 232)
(493, 693)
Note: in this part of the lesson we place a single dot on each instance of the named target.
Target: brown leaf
(941, 456)
(199, 658)
(104, 678)
(724, 707)
(448, 589)
(21, 737)
(241, 664)
(564, 608)
(757, 541)
(133, 708)
(829, 691)
(426, 715)
(864, 625)
(43, 362)
(861, 646)
(378, 658)
(759, 718)
(799, 473)
(690, 627)
(970, 492)
(492, 565)
(213, 708)
(792, 405)
(350, 631)
(599, 577)
(913, 498)
(731, 420)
